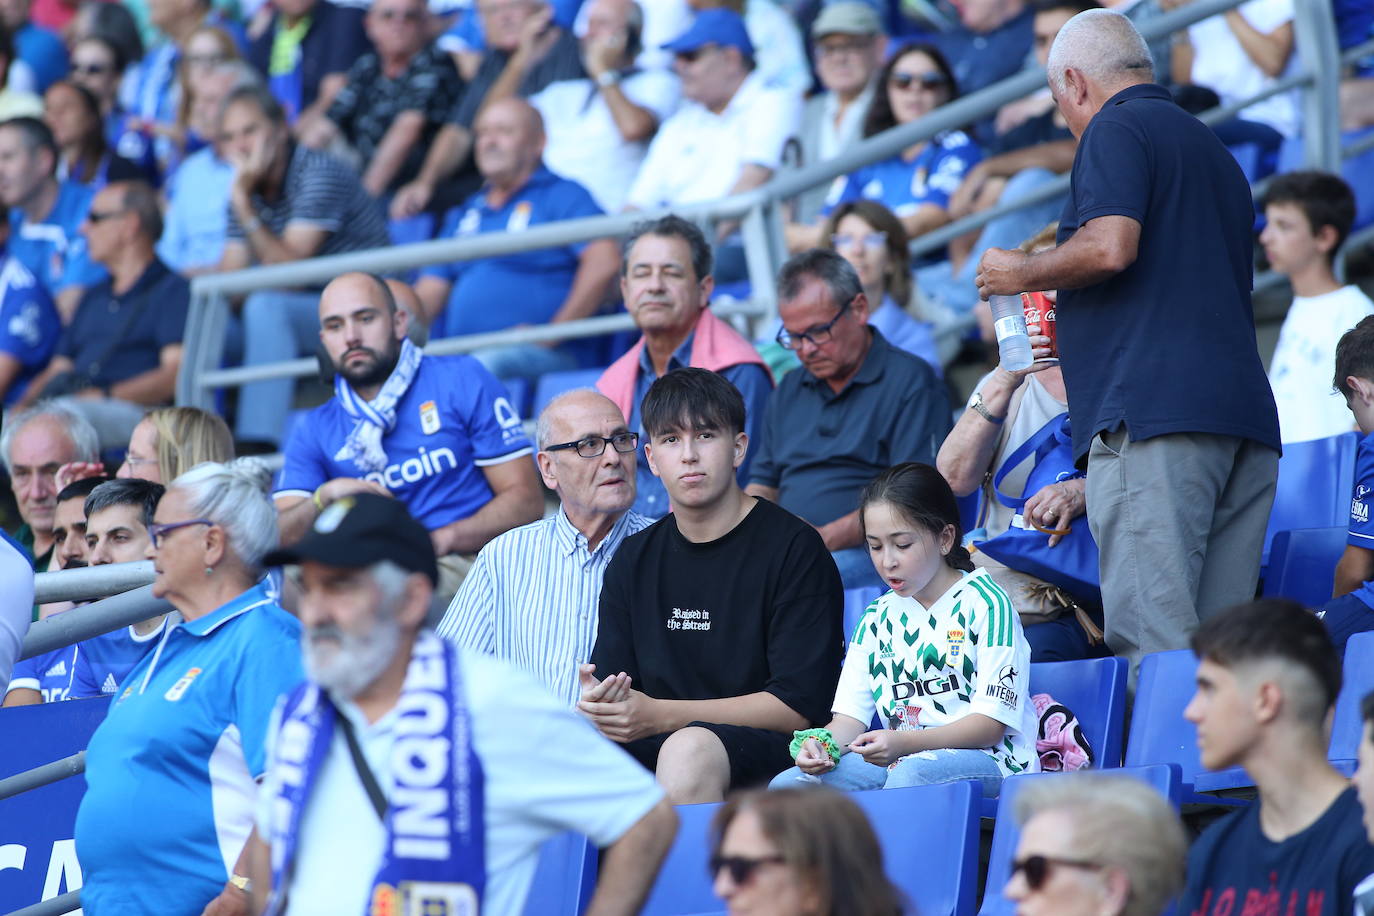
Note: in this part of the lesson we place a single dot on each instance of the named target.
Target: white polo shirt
(546, 770)
(697, 154)
(583, 142)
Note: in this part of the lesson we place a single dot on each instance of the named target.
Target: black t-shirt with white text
(760, 609)
(1234, 868)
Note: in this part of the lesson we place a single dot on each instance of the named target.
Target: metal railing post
(44, 775)
(1314, 32)
(66, 903)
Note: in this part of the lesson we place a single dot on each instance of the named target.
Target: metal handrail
(43, 775)
(91, 581)
(56, 906)
(95, 619)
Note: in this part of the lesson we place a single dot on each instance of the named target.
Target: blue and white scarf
(434, 859)
(377, 416)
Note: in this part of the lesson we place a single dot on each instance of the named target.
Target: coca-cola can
(1040, 311)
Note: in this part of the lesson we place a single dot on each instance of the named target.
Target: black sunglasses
(91, 69)
(690, 57)
(594, 446)
(929, 80)
(741, 868)
(1037, 868)
(404, 15)
(94, 217)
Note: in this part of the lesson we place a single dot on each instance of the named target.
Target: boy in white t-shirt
(1309, 215)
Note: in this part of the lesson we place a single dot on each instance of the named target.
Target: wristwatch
(982, 408)
(608, 78)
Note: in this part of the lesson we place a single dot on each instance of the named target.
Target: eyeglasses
(595, 446)
(91, 69)
(741, 868)
(158, 532)
(842, 48)
(928, 80)
(818, 335)
(403, 15)
(1037, 868)
(867, 240)
(93, 217)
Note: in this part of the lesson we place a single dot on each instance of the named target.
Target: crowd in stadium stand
(740, 568)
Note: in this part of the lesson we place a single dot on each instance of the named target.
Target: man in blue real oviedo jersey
(438, 433)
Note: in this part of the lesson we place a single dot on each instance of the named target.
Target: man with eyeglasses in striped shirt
(531, 597)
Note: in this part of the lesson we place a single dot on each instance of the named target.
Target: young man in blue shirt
(45, 213)
(437, 433)
(1267, 681)
(1351, 608)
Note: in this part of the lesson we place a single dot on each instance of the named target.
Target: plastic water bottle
(1009, 323)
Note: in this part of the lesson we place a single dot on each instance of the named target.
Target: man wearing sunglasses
(531, 597)
(856, 407)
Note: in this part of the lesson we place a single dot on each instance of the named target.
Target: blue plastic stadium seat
(552, 384)
(1314, 486)
(1007, 833)
(1160, 734)
(856, 601)
(1348, 728)
(1302, 564)
(564, 878)
(942, 821)
(519, 390)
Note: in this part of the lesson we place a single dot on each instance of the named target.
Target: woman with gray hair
(1095, 844)
(183, 745)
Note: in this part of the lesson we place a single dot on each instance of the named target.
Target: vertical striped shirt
(532, 598)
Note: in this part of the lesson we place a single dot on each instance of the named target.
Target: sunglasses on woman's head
(929, 80)
(741, 868)
(1037, 869)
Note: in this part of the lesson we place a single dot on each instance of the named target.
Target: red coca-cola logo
(1049, 315)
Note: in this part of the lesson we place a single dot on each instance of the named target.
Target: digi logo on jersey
(1002, 688)
(928, 687)
(429, 463)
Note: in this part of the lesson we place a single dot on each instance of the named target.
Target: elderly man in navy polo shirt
(1170, 407)
(856, 407)
(535, 287)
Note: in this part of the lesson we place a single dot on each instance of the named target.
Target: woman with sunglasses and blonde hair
(799, 852)
(1095, 844)
(169, 441)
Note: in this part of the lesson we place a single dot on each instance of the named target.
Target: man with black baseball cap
(395, 780)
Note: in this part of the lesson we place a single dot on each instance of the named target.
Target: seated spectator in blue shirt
(436, 432)
(118, 513)
(287, 202)
(916, 184)
(47, 677)
(73, 115)
(1267, 681)
(40, 53)
(857, 406)
(197, 193)
(395, 99)
(34, 444)
(45, 214)
(121, 352)
(99, 64)
(666, 283)
(305, 52)
(29, 327)
(992, 43)
(1351, 609)
(550, 285)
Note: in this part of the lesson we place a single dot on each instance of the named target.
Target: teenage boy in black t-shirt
(1267, 680)
(720, 625)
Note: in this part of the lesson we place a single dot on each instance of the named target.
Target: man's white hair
(1102, 44)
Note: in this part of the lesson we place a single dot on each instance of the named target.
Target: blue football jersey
(29, 324)
(106, 659)
(50, 673)
(1361, 527)
(54, 250)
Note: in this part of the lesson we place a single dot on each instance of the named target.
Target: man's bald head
(554, 423)
(510, 142)
(361, 328)
(590, 488)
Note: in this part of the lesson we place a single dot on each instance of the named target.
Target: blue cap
(717, 26)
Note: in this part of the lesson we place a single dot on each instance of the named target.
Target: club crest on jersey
(177, 690)
(955, 638)
(519, 217)
(429, 418)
